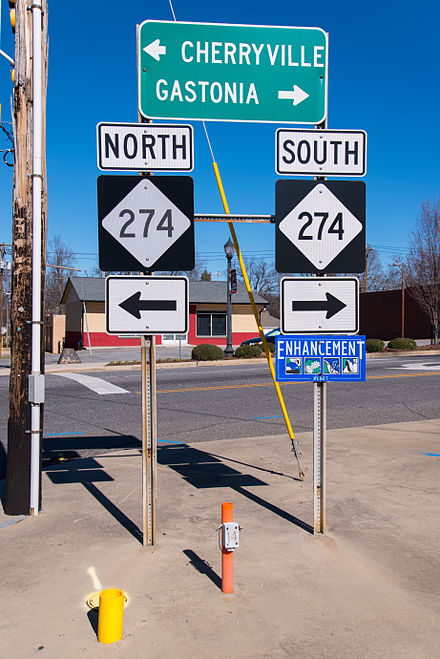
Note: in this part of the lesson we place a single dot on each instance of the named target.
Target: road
(218, 402)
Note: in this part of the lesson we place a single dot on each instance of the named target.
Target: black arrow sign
(135, 305)
(332, 305)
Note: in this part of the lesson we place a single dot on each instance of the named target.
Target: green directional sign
(232, 72)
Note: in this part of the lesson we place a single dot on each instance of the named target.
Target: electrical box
(230, 533)
(36, 388)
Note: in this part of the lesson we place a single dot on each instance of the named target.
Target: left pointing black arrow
(331, 305)
(134, 305)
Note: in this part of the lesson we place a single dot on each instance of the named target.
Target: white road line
(418, 366)
(98, 385)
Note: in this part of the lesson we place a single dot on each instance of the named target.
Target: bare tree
(273, 308)
(423, 267)
(193, 275)
(372, 279)
(59, 254)
(263, 277)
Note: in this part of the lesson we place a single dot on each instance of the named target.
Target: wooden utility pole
(2, 265)
(18, 477)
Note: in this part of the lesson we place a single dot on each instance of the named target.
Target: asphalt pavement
(96, 409)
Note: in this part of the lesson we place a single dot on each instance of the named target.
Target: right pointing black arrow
(332, 305)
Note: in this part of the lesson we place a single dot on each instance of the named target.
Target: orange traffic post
(227, 556)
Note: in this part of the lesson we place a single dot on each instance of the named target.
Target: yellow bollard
(111, 613)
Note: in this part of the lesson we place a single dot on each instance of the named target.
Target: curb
(103, 366)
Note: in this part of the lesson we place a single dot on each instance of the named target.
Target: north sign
(320, 358)
(320, 226)
(321, 152)
(146, 223)
(146, 305)
(319, 305)
(225, 72)
(145, 147)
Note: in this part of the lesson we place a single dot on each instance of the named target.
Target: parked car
(270, 337)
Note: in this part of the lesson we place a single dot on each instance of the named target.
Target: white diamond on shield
(146, 223)
(320, 226)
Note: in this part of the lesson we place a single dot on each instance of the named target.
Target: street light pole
(229, 251)
(403, 297)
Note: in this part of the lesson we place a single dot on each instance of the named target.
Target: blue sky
(383, 78)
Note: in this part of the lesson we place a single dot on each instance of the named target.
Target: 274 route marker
(320, 226)
(145, 224)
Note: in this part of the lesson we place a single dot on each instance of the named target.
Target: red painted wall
(102, 339)
(237, 337)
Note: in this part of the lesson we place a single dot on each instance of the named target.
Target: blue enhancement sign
(317, 358)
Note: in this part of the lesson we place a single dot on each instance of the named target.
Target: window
(211, 324)
(174, 338)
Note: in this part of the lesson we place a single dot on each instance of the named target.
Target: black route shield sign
(113, 256)
(288, 258)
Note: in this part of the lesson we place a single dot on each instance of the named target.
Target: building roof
(88, 289)
(211, 292)
(92, 289)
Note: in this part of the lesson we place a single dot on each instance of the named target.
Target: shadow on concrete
(268, 471)
(203, 567)
(54, 446)
(88, 471)
(2, 461)
(117, 513)
(93, 616)
(3, 492)
(276, 510)
(204, 470)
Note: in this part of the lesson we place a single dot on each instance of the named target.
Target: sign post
(149, 442)
(148, 306)
(320, 359)
(214, 71)
(319, 455)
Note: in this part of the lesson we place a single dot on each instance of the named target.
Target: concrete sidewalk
(369, 588)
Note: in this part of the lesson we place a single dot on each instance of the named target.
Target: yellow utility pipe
(257, 319)
(111, 613)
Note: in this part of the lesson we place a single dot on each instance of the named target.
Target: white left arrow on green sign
(155, 49)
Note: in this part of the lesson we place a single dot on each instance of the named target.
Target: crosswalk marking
(98, 385)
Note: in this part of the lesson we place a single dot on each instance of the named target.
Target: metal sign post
(319, 437)
(319, 359)
(153, 304)
(149, 441)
